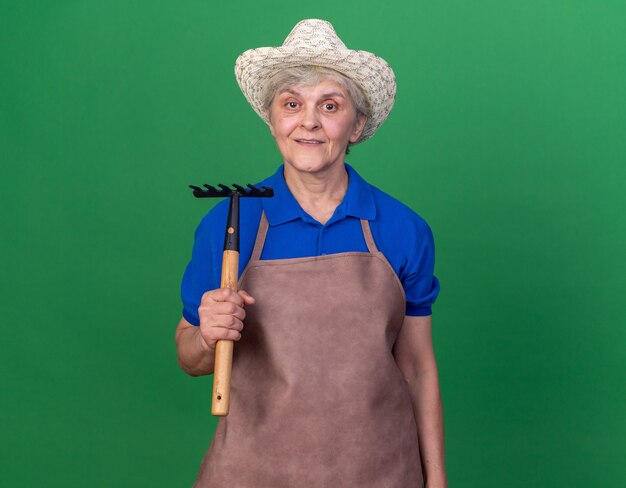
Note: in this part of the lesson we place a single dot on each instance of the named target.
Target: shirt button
(323, 254)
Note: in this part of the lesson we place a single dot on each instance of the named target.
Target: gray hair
(312, 75)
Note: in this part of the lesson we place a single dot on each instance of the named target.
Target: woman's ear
(358, 127)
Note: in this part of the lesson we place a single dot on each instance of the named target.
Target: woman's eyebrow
(333, 95)
(290, 90)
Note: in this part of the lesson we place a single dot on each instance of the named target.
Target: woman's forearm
(415, 356)
(194, 356)
(428, 411)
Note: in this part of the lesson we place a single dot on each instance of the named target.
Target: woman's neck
(318, 194)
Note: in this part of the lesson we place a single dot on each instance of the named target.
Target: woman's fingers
(228, 322)
(240, 297)
(222, 313)
(249, 300)
(216, 333)
(211, 333)
(228, 308)
(222, 295)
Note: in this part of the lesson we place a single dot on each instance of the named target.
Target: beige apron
(317, 399)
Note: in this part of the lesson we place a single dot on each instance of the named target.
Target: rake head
(225, 191)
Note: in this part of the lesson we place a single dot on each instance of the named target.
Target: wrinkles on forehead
(298, 93)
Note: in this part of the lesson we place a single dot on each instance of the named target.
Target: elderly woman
(334, 380)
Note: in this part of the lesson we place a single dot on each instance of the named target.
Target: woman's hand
(221, 313)
(415, 357)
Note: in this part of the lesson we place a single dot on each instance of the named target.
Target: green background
(508, 136)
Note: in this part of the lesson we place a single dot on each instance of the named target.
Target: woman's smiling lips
(309, 142)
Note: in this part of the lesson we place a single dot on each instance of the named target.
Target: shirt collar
(282, 207)
(359, 198)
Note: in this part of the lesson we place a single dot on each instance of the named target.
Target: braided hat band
(315, 42)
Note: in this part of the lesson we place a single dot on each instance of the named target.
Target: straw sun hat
(315, 42)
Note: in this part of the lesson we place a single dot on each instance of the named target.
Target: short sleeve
(203, 271)
(420, 284)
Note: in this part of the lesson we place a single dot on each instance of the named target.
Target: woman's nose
(310, 119)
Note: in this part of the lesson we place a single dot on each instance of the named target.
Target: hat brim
(255, 67)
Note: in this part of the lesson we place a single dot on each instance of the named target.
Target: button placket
(320, 241)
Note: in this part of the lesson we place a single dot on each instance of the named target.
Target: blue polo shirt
(400, 234)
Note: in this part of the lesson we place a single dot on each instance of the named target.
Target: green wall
(508, 137)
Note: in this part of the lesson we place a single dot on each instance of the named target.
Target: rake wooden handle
(224, 349)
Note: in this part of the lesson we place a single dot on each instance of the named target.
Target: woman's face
(312, 125)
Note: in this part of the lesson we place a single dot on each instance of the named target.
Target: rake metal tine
(224, 191)
(201, 192)
(261, 192)
(256, 191)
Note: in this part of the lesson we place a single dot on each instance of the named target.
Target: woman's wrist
(202, 344)
(437, 480)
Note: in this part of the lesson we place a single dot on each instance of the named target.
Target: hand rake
(230, 274)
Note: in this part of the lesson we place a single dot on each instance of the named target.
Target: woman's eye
(292, 104)
(330, 106)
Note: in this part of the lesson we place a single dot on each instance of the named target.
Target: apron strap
(260, 238)
(369, 239)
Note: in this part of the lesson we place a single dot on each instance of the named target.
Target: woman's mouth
(309, 142)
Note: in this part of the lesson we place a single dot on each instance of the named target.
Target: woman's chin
(312, 165)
